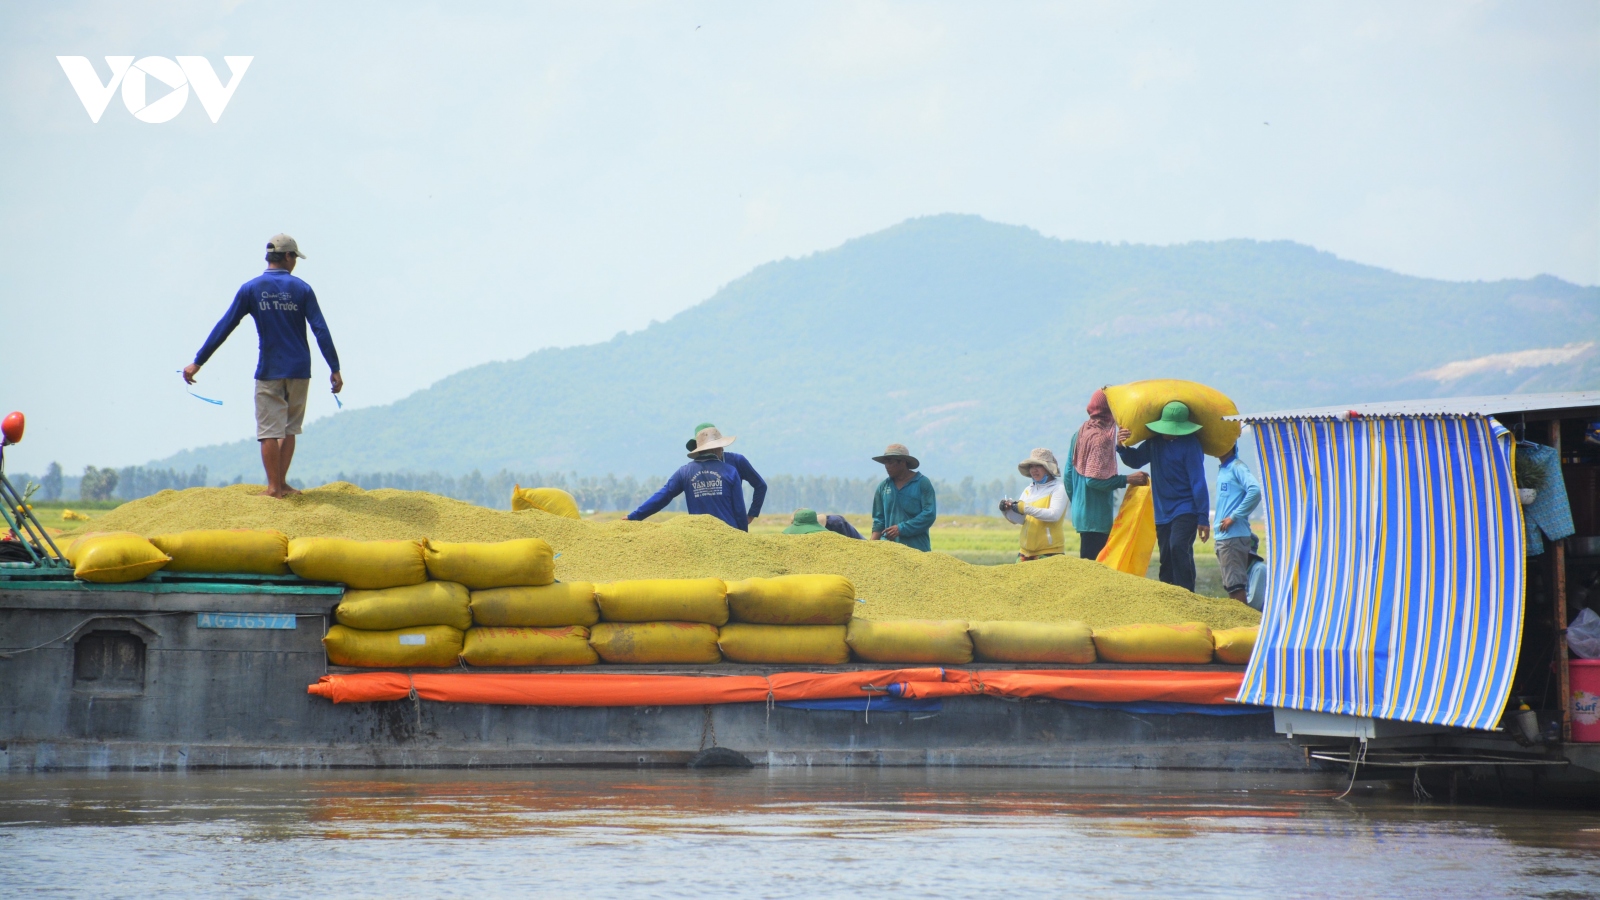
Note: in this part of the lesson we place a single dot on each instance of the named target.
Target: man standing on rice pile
(282, 305)
(758, 486)
(1178, 487)
(710, 484)
(903, 507)
(1041, 509)
(1091, 478)
(1237, 496)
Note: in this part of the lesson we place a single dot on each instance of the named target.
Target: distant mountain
(971, 342)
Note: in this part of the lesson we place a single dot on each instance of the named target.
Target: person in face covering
(1091, 477)
(1042, 508)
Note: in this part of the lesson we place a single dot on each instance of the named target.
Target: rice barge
(1408, 638)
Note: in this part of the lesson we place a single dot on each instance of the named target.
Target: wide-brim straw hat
(697, 429)
(1174, 420)
(1040, 457)
(709, 439)
(897, 451)
(805, 522)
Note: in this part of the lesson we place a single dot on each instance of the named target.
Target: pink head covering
(1096, 456)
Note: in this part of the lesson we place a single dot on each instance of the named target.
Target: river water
(766, 833)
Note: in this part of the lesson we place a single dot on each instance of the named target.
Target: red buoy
(12, 427)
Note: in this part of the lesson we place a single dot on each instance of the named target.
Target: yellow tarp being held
(1133, 534)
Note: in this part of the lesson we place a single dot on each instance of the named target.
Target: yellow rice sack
(1032, 642)
(813, 645)
(655, 642)
(479, 566)
(114, 557)
(549, 606)
(529, 647)
(552, 500)
(664, 600)
(1234, 645)
(1186, 643)
(239, 550)
(910, 641)
(1138, 404)
(364, 565)
(428, 603)
(430, 646)
(792, 600)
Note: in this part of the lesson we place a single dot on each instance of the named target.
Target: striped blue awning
(1395, 569)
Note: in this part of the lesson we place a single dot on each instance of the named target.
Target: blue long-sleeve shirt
(1177, 476)
(710, 487)
(282, 306)
(751, 477)
(912, 507)
(1237, 496)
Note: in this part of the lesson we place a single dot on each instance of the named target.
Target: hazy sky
(476, 185)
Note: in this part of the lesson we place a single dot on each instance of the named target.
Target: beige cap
(709, 438)
(282, 243)
(1040, 457)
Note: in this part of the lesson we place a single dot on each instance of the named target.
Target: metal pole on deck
(1558, 559)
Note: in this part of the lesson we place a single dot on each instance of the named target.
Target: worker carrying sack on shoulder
(1136, 405)
(428, 603)
(479, 566)
(554, 501)
(653, 643)
(365, 565)
(910, 641)
(549, 606)
(664, 600)
(430, 646)
(1189, 643)
(792, 600)
(784, 645)
(1032, 642)
(238, 551)
(529, 647)
(114, 557)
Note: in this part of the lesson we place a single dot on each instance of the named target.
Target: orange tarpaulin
(586, 689)
(1101, 685)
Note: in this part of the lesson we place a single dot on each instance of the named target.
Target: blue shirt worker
(710, 485)
(1237, 497)
(1178, 488)
(282, 306)
(903, 506)
(747, 472)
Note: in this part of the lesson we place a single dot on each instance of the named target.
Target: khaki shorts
(280, 407)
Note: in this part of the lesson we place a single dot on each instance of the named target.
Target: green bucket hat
(697, 429)
(1174, 420)
(805, 522)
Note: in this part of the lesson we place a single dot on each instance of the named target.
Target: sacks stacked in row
(393, 614)
(118, 557)
(955, 642)
(788, 620)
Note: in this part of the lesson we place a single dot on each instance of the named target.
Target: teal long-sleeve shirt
(1091, 497)
(912, 507)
